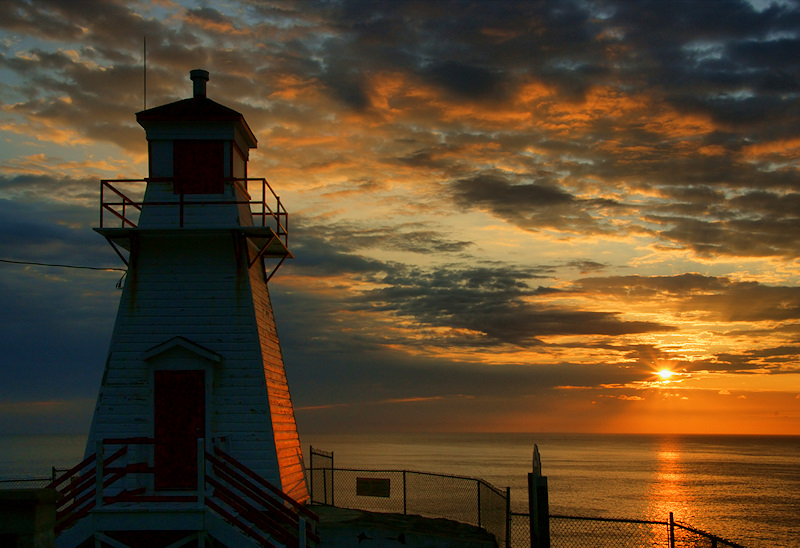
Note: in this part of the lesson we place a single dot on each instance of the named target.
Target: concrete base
(27, 518)
(342, 528)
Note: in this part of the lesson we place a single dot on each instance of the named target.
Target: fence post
(405, 507)
(671, 530)
(538, 504)
(508, 517)
(478, 483)
(333, 474)
(311, 475)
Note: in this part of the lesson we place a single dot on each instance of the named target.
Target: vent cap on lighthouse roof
(198, 111)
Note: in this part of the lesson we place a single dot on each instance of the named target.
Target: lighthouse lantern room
(193, 438)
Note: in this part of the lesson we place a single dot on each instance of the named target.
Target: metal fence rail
(23, 483)
(462, 499)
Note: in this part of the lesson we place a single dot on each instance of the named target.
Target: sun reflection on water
(670, 491)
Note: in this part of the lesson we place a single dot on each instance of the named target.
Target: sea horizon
(742, 487)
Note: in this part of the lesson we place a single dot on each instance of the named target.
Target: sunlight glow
(665, 374)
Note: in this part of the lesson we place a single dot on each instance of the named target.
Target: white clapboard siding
(198, 286)
(162, 208)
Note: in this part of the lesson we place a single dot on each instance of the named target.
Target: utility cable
(63, 265)
(119, 283)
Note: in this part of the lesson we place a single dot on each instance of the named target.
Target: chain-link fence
(27, 482)
(579, 532)
(590, 532)
(519, 530)
(462, 499)
(686, 536)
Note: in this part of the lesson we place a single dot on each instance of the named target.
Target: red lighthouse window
(198, 167)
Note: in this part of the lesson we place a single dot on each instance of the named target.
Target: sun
(665, 374)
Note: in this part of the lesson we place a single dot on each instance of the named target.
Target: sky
(505, 216)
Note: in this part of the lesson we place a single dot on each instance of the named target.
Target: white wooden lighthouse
(194, 420)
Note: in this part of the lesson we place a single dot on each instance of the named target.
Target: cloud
(509, 196)
(531, 205)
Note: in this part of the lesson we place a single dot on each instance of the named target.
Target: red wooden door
(179, 421)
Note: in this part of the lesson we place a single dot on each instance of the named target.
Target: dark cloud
(490, 303)
(775, 360)
(470, 81)
(412, 237)
(529, 205)
(713, 298)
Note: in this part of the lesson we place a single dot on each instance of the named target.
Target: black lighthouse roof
(198, 108)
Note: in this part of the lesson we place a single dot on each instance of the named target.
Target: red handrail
(240, 496)
(239, 523)
(251, 513)
(264, 483)
(69, 473)
(251, 485)
(279, 214)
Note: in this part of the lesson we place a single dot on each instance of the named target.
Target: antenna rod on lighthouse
(144, 68)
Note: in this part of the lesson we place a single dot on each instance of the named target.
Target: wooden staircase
(111, 499)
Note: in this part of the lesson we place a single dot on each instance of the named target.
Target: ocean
(742, 488)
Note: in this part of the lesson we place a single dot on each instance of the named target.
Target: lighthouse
(194, 423)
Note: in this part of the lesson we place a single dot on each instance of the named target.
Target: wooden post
(201, 472)
(538, 504)
(301, 534)
(98, 481)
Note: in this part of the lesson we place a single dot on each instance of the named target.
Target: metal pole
(508, 517)
(478, 483)
(311, 458)
(405, 508)
(671, 530)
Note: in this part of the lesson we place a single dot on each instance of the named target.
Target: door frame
(181, 354)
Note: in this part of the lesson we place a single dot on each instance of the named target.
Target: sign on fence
(372, 487)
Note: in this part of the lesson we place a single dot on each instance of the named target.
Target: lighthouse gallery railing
(227, 487)
(126, 210)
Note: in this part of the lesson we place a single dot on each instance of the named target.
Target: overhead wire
(57, 265)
